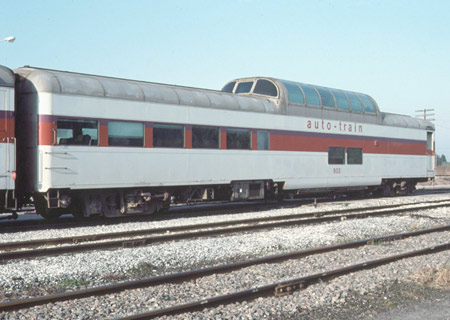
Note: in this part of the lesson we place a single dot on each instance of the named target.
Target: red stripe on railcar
(279, 140)
(316, 144)
(254, 140)
(188, 137)
(7, 128)
(148, 135)
(46, 133)
(103, 134)
(223, 138)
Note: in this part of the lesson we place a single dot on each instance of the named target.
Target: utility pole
(425, 114)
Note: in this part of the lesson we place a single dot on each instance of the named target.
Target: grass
(434, 278)
(72, 283)
(143, 270)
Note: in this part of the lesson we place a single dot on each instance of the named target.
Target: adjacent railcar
(94, 145)
(7, 141)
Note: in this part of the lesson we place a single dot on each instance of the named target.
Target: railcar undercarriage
(145, 201)
(400, 187)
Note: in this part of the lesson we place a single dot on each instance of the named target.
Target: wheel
(389, 190)
(76, 208)
(42, 209)
(152, 207)
(51, 214)
(163, 206)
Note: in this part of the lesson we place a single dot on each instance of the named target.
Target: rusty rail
(281, 288)
(22, 254)
(135, 233)
(189, 275)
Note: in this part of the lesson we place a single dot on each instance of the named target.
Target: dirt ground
(442, 177)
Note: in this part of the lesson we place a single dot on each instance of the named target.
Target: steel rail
(21, 254)
(284, 287)
(32, 225)
(179, 211)
(165, 230)
(193, 274)
(69, 222)
(112, 235)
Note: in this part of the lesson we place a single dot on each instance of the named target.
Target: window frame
(235, 130)
(340, 96)
(310, 92)
(226, 87)
(170, 127)
(351, 160)
(206, 128)
(120, 140)
(80, 138)
(332, 151)
(293, 95)
(350, 95)
(265, 94)
(258, 138)
(238, 84)
(368, 104)
(326, 96)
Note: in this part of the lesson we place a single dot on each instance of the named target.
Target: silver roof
(398, 120)
(285, 89)
(33, 80)
(6, 77)
(324, 112)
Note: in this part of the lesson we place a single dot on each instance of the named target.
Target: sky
(397, 51)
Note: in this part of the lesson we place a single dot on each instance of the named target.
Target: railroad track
(282, 288)
(179, 212)
(279, 288)
(158, 235)
(175, 213)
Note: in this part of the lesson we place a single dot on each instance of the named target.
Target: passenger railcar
(7, 141)
(92, 145)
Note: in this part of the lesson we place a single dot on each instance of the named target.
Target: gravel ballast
(37, 276)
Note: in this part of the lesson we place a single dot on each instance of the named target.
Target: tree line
(441, 160)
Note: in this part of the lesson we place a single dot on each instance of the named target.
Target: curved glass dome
(311, 95)
(304, 94)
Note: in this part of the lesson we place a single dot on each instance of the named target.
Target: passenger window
(205, 137)
(294, 93)
(262, 138)
(122, 133)
(311, 95)
(327, 98)
(341, 100)
(354, 156)
(229, 87)
(168, 136)
(354, 102)
(369, 107)
(336, 155)
(77, 132)
(238, 139)
(244, 87)
(266, 88)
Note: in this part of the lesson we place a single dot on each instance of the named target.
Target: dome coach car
(92, 145)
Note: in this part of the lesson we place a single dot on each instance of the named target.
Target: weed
(143, 269)
(72, 283)
(111, 277)
(432, 277)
